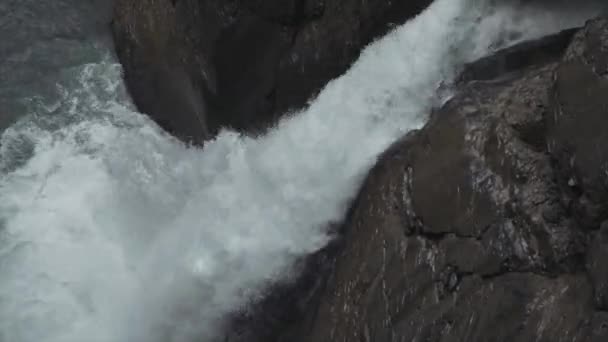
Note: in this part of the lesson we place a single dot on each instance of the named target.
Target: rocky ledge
(491, 222)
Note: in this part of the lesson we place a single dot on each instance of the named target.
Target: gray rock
(597, 264)
(578, 121)
(598, 331)
(195, 66)
(468, 230)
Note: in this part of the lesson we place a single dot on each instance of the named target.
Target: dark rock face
(485, 225)
(578, 135)
(197, 65)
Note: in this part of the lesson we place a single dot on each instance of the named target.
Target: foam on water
(112, 231)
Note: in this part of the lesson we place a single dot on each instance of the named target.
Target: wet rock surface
(488, 224)
(195, 66)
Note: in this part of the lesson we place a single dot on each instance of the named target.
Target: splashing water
(112, 231)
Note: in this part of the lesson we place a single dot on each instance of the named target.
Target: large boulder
(197, 65)
(485, 225)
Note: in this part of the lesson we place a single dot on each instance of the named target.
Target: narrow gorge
(299, 171)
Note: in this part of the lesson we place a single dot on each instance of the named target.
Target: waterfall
(113, 231)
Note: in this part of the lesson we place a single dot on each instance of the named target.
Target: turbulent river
(113, 231)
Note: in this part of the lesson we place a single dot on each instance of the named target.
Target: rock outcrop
(491, 222)
(195, 66)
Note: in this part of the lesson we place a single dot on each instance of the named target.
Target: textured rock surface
(196, 65)
(485, 225)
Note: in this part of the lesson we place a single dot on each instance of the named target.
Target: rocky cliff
(490, 223)
(194, 66)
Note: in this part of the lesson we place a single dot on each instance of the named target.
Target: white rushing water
(112, 231)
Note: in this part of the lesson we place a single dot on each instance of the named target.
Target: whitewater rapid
(113, 231)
